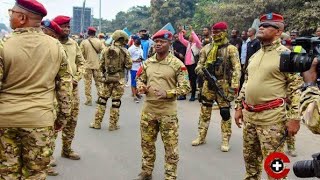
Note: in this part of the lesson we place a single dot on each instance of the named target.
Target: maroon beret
(52, 26)
(32, 6)
(92, 29)
(60, 20)
(271, 17)
(163, 34)
(220, 26)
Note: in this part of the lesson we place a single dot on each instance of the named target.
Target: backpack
(114, 61)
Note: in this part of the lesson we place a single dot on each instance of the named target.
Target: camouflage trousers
(150, 125)
(89, 73)
(25, 153)
(115, 92)
(258, 143)
(208, 97)
(68, 132)
(291, 142)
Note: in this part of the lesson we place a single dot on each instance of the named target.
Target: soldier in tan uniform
(91, 49)
(263, 97)
(53, 29)
(310, 99)
(76, 61)
(30, 78)
(224, 58)
(114, 60)
(162, 78)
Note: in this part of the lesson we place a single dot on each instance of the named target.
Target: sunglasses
(11, 11)
(267, 25)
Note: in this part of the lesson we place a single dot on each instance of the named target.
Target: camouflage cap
(120, 34)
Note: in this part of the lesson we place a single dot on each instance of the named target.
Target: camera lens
(304, 169)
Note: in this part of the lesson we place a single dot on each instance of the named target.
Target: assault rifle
(212, 80)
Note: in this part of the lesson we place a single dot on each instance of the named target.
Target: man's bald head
(21, 18)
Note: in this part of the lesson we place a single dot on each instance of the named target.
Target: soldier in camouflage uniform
(224, 57)
(76, 62)
(114, 60)
(53, 29)
(310, 99)
(262, 99)
(91, 49)
(30, 78)
(162, 78)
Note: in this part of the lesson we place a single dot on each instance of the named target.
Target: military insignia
(269, 16)
(47, 23)
(166, 35)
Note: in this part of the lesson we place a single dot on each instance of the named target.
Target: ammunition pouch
(112, 77)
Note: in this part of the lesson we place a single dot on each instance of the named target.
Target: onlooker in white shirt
(136, 53)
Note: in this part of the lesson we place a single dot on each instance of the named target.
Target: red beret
(271, 17)
(220, 26)
(32, 6)
(92, 29)
(60, 20)
(163, 34)
(52, 26)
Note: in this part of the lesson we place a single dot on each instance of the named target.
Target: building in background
(76, 20)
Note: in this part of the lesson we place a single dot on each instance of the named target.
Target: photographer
(310, 99)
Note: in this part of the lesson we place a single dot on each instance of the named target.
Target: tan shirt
(265, 82)
(30, 65)
(75, 58)
(170, 75)
(89, 53)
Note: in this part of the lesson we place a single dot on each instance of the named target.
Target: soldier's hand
(199, 71)
(293, 127)
(144, 89)
(310, 76)
(238, 117)
(162, 94)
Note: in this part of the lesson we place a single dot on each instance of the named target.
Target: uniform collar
(274, 45)
(28, 29)
(165, 61)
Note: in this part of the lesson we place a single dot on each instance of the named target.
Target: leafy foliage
(299, 14)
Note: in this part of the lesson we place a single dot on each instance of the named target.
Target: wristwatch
(307, 84)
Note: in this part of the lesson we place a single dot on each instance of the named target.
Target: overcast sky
(58, 7)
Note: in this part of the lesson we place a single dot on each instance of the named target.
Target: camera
(308, 168)
(300, 62)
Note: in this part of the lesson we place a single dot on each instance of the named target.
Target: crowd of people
(41, 66)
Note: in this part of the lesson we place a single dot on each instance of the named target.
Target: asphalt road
(117, 155)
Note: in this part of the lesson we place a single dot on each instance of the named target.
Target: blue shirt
(145, 44)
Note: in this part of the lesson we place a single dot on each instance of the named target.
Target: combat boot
(70, 155)
(52, 172)
(95, 126)
(113, 128)
(143, 176)
(225, 145)
(198, 141)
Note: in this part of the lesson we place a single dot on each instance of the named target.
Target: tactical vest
(222, 67)
(114, 63)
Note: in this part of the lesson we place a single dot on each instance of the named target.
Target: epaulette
(4, 39)
(282, 48)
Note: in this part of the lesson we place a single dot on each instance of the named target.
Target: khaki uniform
(228, 76)
(76, 61)
(92, 63)
(161, 114)
(113, 90)
(310, 108)
(30, 78)
(263, 130)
